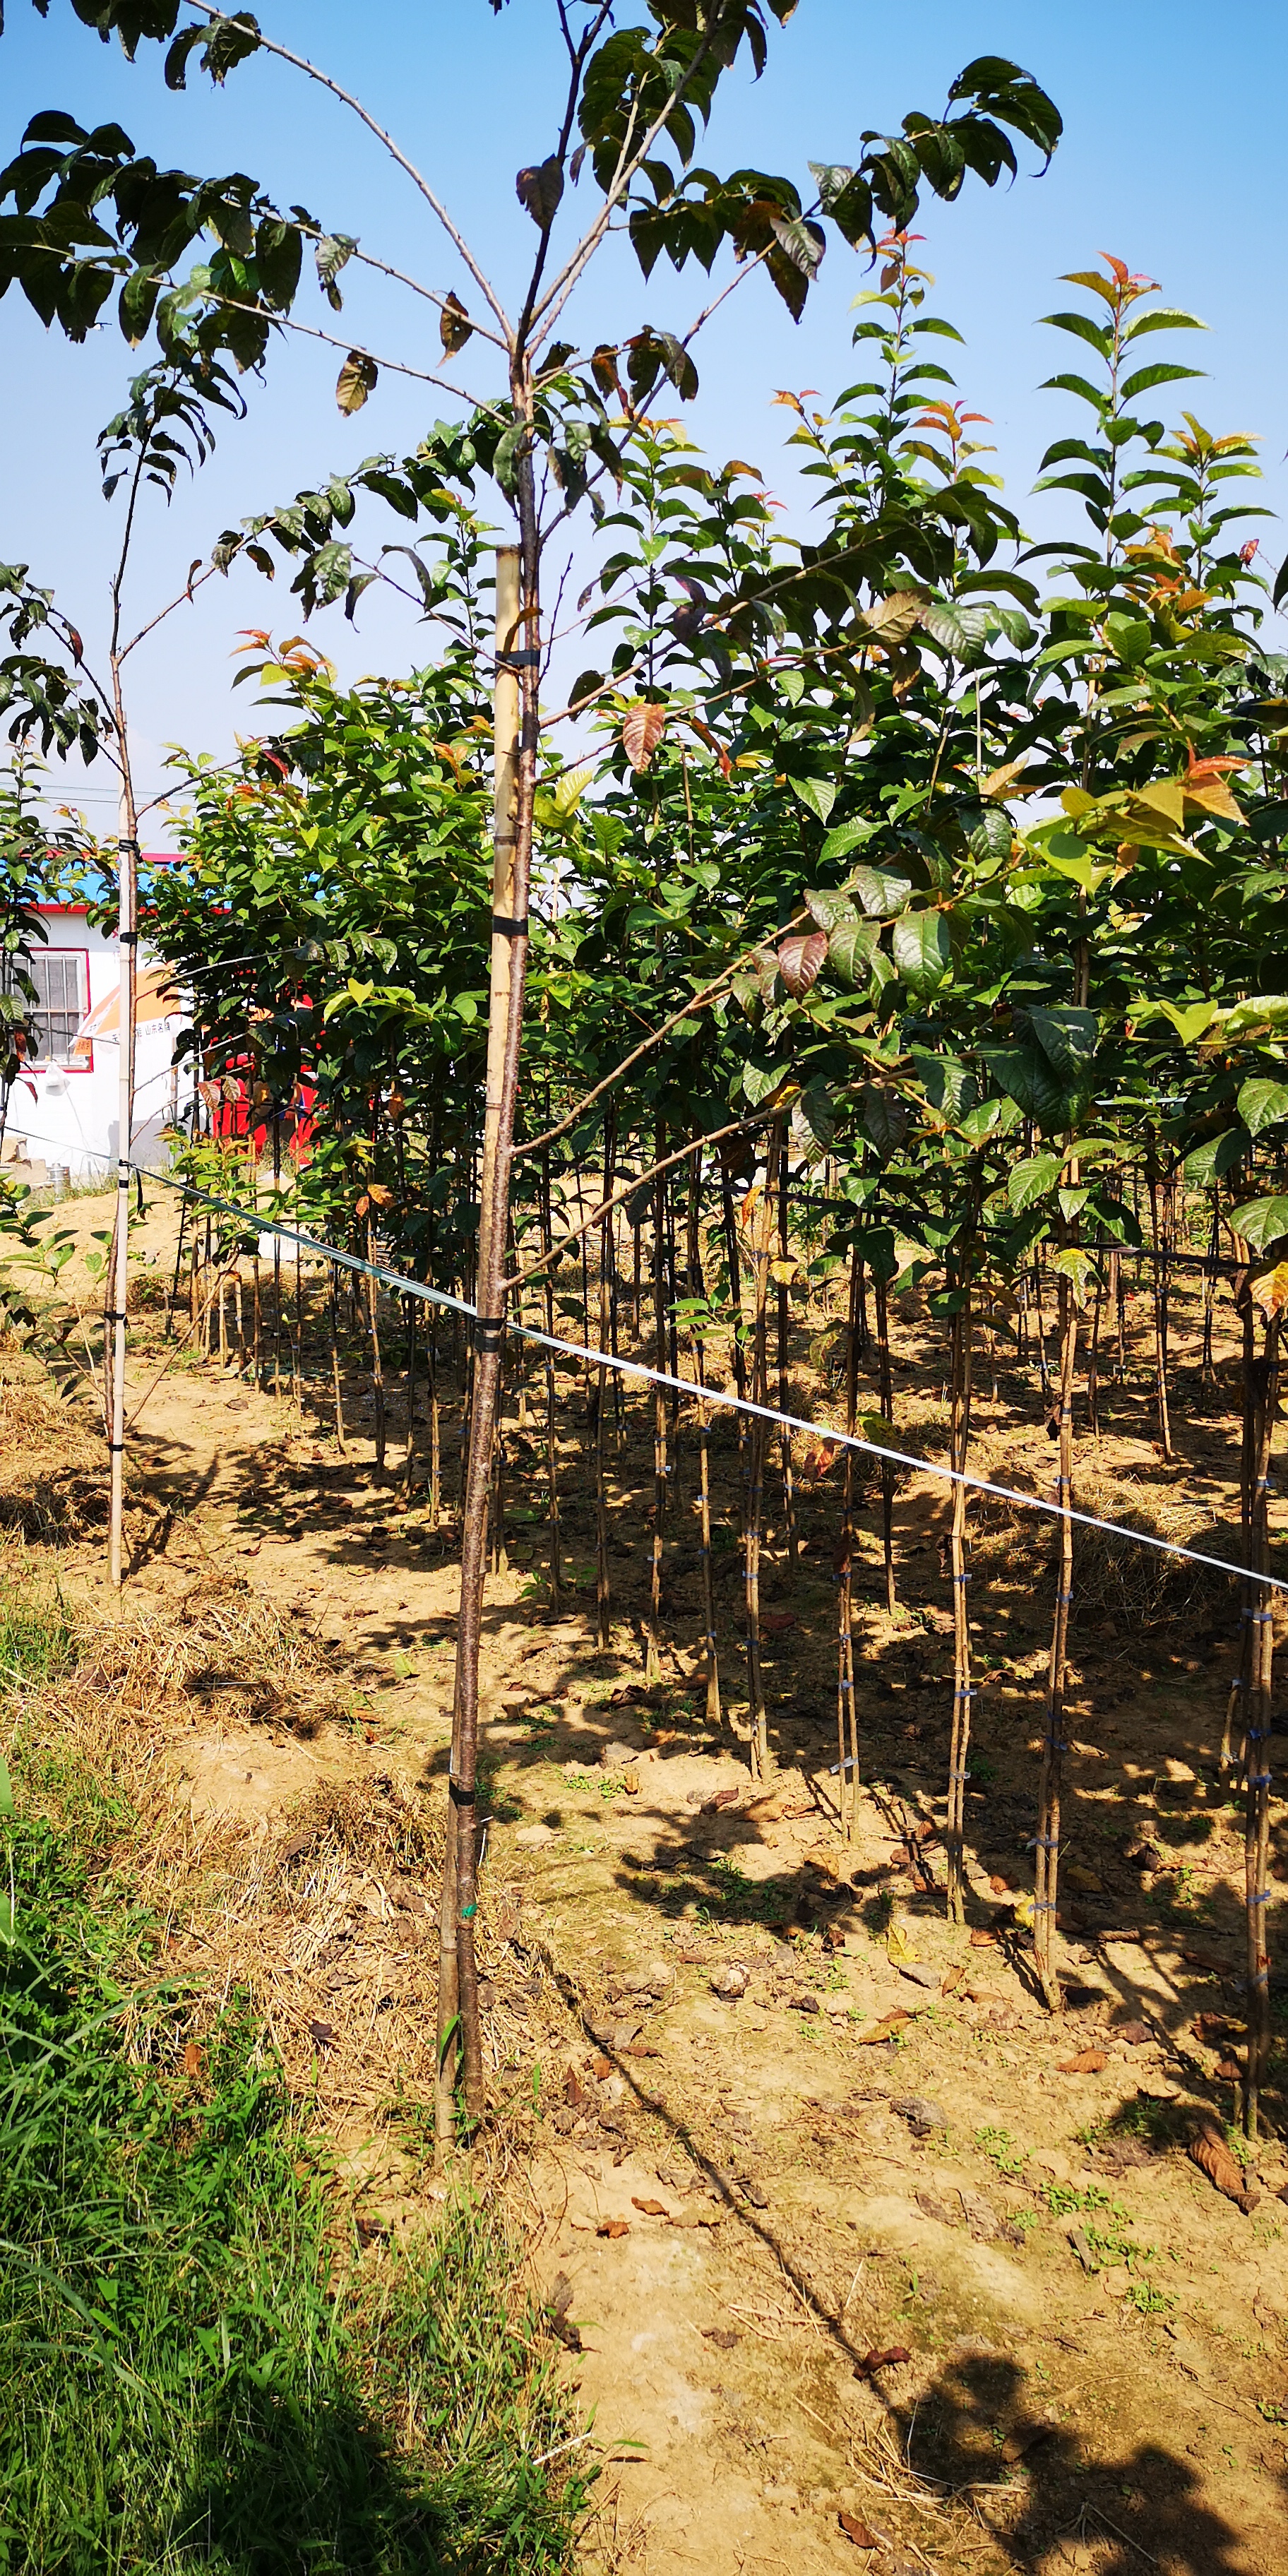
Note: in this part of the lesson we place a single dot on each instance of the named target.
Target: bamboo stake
(1159, 1268)
(962, 1338)
(127, 937)
(847, 1717)
(653, 1648)
(887, 1410)
(1257, 1794)
(784, 1322)
(1047, 1845)
(757, 1449)
(603, 1579)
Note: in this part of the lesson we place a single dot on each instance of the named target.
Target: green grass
(198, 2368)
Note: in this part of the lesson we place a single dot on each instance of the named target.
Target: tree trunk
(127, 936)
(1257, 1793)
(847, 1719)
(963, 1337)
(1047, 1848)
(887, 1409)
(515, 739)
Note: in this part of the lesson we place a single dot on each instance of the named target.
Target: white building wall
(69, 1114)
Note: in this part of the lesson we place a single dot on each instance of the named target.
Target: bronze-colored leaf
(613, 2227)
(1090, 2061)
(799, 961)
(1211, 2154)
(643, 726)
(357, 379)
(651, 2208)
(858, 2532)
(454, 324)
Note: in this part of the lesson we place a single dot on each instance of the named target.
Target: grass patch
(198, 2364)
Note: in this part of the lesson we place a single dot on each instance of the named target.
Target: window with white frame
(61, 978)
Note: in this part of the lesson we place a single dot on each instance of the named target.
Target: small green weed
(999, 2146)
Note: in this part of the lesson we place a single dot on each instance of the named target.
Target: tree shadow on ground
(980, 2425)
(285, 2487)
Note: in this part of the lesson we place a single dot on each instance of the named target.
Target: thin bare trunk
(1047, 1846)
(887, 1409)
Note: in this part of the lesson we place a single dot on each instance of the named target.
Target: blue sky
(1170, 159)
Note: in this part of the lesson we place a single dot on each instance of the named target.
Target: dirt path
(770, 2118)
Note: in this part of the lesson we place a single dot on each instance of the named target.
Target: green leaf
(1261, 1222)
(850, 948)
(1068, 1037)
(1030, 1180)
(1212, 1161)
(1262, 1104)
(1146, 378)
(879, 891)
(885, 1118)
(817, 794)
(829, 910)
(922, 950)
(847, 837)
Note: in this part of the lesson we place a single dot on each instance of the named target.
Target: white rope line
(255, 1220)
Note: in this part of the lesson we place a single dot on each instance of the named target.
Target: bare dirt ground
(861, 2258)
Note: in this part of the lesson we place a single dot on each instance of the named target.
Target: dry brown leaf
(883, 2029)
(1091, 2061)
(858, 2531)
(1211, 2154)
(643, 726)
(613, 2227)
(192, 2058)
(651, 2208)
(981, 1940)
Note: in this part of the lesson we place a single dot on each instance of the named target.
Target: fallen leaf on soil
(1228, 2070)
(723, 2337)
(858, 2531)
(1214, 2028)
(887, 2360)
(723, 1798)
(322, 2033)
(805, 2003)
(951, 1980)
(192, 2058)
(898, 1946)
(1083, 2250)
(613, 2227)
(1211, 2154)
(601, 2066)
(931, 2206)
(1090, 2061)
(641, 2048)
(982, 1940)
(883, 2029)
(776, 1623)
(809, 1809)
(651, 2208)
(1134, 2032)
(999, 1886)
(574, 2090)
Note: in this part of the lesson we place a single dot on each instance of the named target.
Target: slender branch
(193, 582)
(577, 52)
(697, 1002)
(696, 1144)
(430, 294)
(310, 331)
(628, 164)
(301, 63)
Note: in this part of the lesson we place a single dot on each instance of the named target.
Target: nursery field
(836, 2245)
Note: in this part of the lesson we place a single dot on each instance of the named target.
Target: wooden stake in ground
(963, 1338)
(653, 1648)
(515, 748)
(1265, 1396)
(887, 1469)
(127, 936)
(847, 1717)
(759, 1209)
(1047, 1845)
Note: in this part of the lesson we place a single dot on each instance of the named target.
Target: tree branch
(301, 63)
(717, 1136)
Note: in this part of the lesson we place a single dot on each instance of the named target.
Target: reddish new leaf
(643, 726)
(799, 961)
